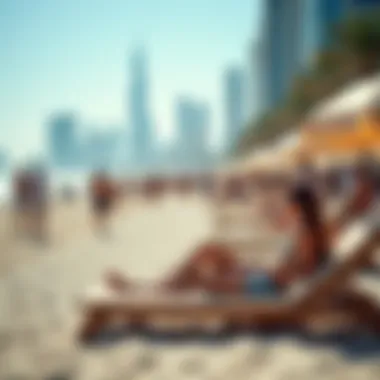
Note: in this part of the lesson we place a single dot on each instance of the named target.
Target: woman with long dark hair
(309, 252)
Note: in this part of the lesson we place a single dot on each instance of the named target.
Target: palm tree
(360, 37)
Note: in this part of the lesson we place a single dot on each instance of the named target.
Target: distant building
(63, 141)
(255, 80)
(282, 36)
(139, 108)
(193, 127)
(234, 104)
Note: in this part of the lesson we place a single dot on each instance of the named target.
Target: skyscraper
(234, 101)
(193, 127)
(139, 109)
(282, 37)
(63, 140)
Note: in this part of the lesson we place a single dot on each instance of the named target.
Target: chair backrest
(350, 252)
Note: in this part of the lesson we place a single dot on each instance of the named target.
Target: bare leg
(117, 282)
(212, 267)
(209, 261)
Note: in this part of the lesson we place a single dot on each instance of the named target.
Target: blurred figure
(31, 204)
(20, 203)
(41, 209)
(103, 195)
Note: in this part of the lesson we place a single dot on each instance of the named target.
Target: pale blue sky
(73, 54)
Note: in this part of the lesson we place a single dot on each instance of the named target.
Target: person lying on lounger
(216, 269)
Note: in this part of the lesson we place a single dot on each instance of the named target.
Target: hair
(307, 202)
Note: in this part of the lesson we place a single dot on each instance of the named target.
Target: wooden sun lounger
(145, 308)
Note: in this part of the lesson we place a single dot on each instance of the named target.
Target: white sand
(38, 308)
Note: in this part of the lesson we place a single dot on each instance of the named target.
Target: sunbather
(216, 269)
(309, 252)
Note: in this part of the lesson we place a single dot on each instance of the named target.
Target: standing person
(20, 202)
(41, 204)
(102, 198)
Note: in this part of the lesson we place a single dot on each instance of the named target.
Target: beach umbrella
(363, 134)
(351, 101)
(279, 156)
(346, 124)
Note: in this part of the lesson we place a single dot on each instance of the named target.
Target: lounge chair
(146, 308)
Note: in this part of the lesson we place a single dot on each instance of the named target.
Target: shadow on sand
(354, 346)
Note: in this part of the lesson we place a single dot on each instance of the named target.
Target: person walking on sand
(41, 204)
(30, 204)
(102, 197)
(20, 203)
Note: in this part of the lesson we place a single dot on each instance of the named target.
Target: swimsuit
(261, 285)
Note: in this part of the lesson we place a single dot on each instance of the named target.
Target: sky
(72, 55)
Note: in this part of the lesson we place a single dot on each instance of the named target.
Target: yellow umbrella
(362, 134)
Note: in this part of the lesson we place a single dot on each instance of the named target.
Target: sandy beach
(39, 310)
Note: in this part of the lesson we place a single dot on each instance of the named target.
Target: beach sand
(39, 311)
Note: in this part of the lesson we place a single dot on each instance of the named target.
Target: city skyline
(134, 146)
(69, 63)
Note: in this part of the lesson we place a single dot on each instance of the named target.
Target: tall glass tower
(282, 37)
(63, 140)
(139, 111)
(234, 100)
(193, 127)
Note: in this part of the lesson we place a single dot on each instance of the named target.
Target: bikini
(263, 285)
